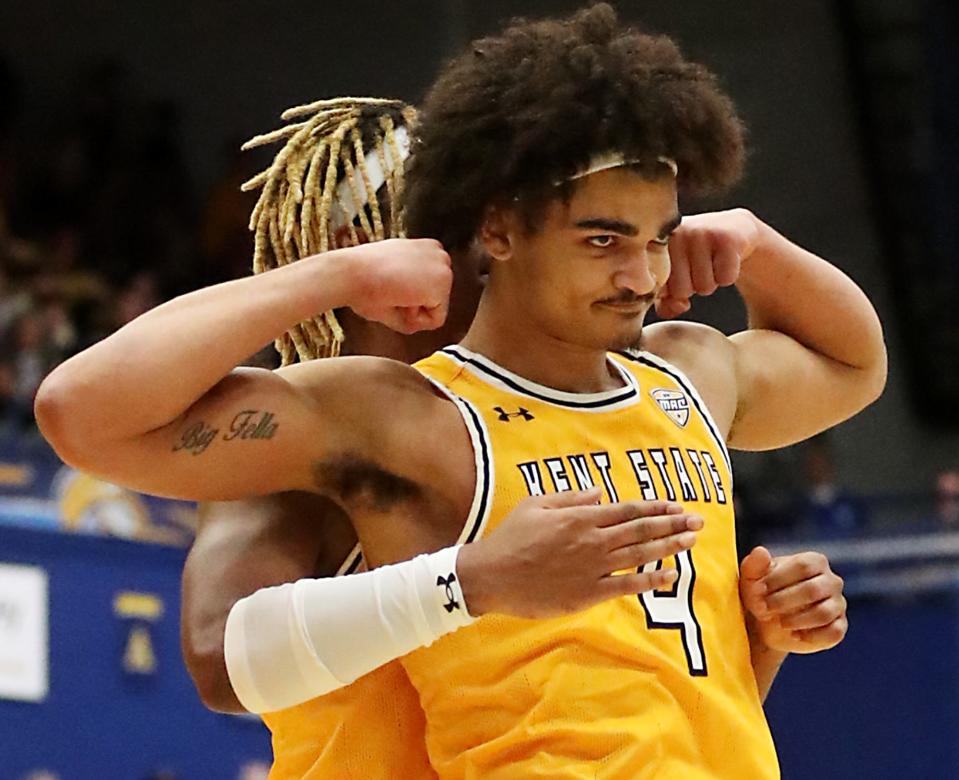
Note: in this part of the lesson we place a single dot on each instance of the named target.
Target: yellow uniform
(370, 730)
(658, 686)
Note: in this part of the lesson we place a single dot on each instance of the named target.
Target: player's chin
(626, 336)
(604, 332)
(625, 342)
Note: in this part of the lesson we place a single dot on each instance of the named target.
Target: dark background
(800, 72)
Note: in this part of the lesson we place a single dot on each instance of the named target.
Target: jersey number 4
(673, 609)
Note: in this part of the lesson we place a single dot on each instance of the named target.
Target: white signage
(24, 670)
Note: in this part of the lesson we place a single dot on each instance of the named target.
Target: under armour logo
(447, 583)
(504, 415)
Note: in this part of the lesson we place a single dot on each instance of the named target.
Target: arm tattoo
(248, 424)
(196, 438)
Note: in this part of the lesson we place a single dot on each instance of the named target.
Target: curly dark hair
(529, 107)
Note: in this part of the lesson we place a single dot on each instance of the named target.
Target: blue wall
(885, 704)
(100, 722)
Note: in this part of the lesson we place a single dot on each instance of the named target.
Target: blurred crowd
(800, 492)
(99, 222)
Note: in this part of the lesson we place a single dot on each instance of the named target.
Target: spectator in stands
(825, 507)
(13, 302)
(64, 274)
(947, 499)
(33, 358)
(139, 295)
(7, 393)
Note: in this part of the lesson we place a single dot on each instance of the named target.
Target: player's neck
(504, 335)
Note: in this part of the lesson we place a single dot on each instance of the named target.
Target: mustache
(628, 298)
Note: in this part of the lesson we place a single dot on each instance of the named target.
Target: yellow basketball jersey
(651, 686)
(373, 729)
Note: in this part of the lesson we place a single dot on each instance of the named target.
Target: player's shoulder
(356, 374)
(360, 393)
(705, 355)
(685, 344)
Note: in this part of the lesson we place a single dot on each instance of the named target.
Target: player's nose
(636, 275)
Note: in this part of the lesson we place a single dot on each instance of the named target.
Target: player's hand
(403, 283)
(563, 552)
(794, 603)
(705, 253)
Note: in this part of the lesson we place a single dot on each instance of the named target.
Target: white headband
(347, 191)
(607, 160)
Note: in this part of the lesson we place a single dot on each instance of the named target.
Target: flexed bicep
(255, 432)
(243, 437)
(788, 392)
(160, 406)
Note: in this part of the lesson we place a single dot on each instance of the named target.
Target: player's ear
(497, 231)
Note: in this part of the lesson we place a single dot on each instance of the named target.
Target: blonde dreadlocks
(301, 205)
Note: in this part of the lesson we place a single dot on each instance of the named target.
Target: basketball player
(374, 727)
(570, 140)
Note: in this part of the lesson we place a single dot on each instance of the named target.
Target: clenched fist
(403, 283)
(705, 253)
(794, 603)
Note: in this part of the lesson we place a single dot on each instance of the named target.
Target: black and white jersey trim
(482, 495)
(506, 380)
(652, 361)
(483, 456)
(352, 562)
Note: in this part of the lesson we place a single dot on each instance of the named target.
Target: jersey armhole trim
(352, 562)
(483, 459)
(482, 453)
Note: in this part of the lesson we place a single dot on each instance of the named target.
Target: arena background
(119, 129)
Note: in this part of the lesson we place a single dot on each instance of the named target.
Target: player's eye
(661, 242)
(602, 242)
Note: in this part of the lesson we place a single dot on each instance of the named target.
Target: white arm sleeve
(291, 643)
